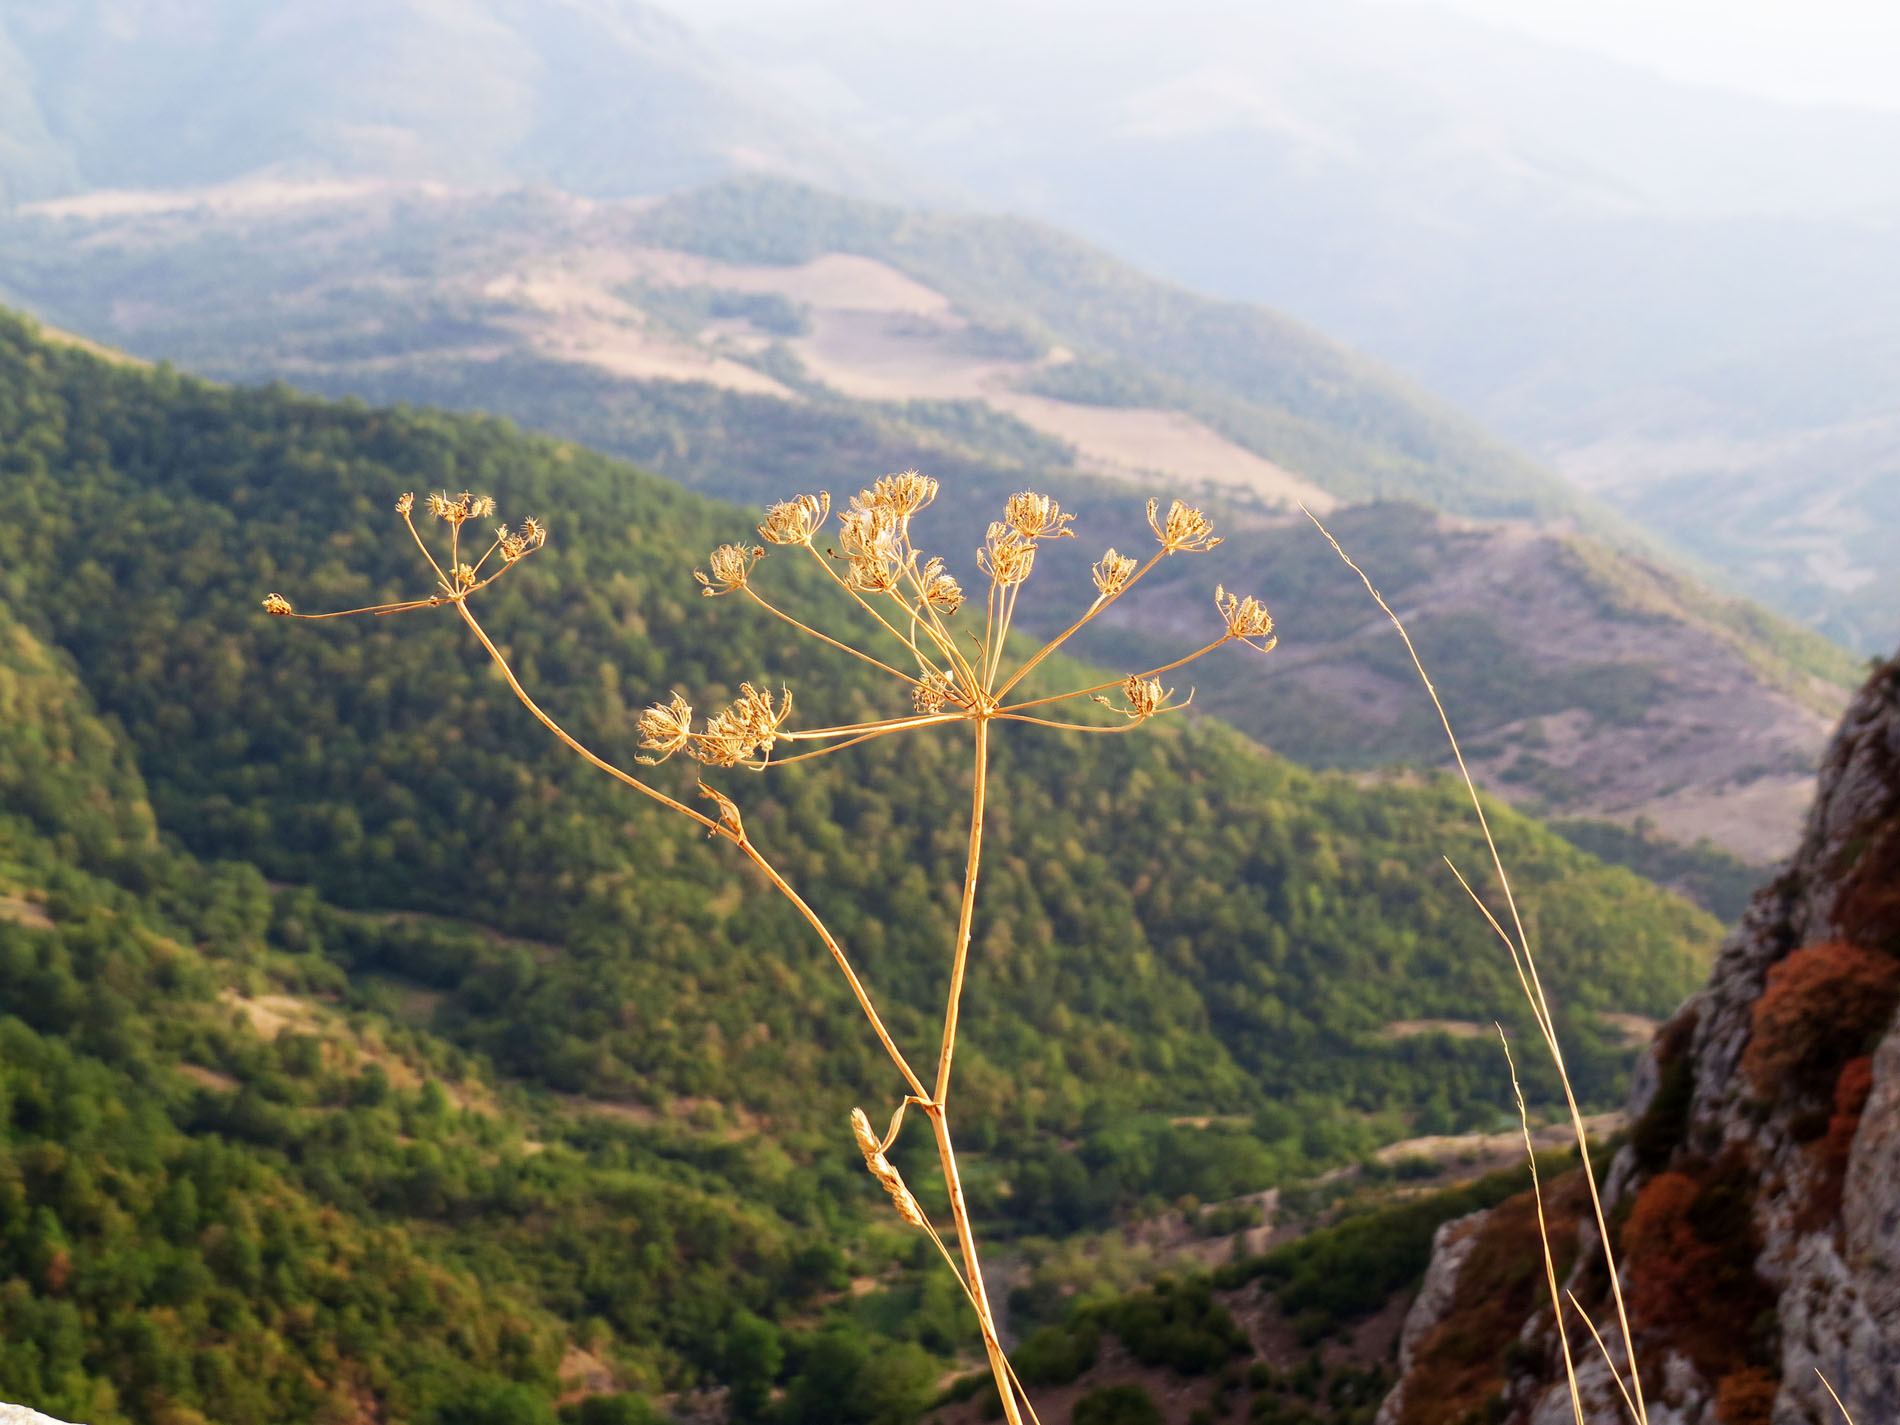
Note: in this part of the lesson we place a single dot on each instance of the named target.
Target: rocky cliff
(1756, 1206)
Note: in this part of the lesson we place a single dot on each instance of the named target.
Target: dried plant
(915, 605)
(1524, 962)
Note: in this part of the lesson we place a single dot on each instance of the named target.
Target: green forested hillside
(208, 1215)
(1173, 924)
(742, 380)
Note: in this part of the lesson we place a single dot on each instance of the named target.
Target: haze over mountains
(606, 97)
(360, 234)
(1679, 297)
(1682, 298)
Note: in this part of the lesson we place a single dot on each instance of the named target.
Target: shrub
(1820, 1008)
(1117, 1405)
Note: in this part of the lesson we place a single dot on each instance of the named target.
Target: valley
(754, 337)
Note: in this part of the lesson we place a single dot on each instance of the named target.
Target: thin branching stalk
(878, 558)
(1829, 1388)
(1525, 964)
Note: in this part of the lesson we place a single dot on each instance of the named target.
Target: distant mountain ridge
(733, 335)
(609, 97)
(1680, 297)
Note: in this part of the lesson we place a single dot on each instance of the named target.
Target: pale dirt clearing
(567, 309)
(838, 281)
(22, 911)
(1757, 820)
(877, 335)
(1124, 442)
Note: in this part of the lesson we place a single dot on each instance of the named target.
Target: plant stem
(939, 1121)
(972, 1267)
(966, 914)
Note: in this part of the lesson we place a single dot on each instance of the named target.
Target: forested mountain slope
(366, 1055)
(757, 333)
(380, 763)
(234, 1187)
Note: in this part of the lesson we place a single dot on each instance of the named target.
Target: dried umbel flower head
(513, 545)
(1185, 531)
(796, 520)
(665, 728)
(730, 565)
(881, 1168)
(1036, 516)
(931, 693)
(868, 531)
(1145, 697)
(1006, 556)
(868, 534)
(1246, 619)
(902, 495)
(405, 502)
(941, 592)
(1111, 573)
(457, 509)
(277, 604)
(749, 725)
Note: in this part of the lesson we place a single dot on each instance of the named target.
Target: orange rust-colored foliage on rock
(1837, 1143)
(1868, 907)
(1689, 1248)
(1821, 1006)
(1662, 1253)
(1461, 1365)
(1850, 1100)
(1746, 1398)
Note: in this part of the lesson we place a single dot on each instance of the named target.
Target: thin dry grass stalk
(915, 603)
(1525, 965)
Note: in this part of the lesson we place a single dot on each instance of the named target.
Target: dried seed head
(454, 509)
(665, 728)
(1007, 557)
(1246, 619)
(534, 532)
(750, 725)
(796, 520)
(874, 576)
(465, 576)
(861, 1130)
(481, 507)
(1036, 516)
(941, 592)
(869, 536)
(881, 1168)
(868, 532)
(1145, 697)
(277, 604)
(405, 503)
(512, 546)
(903, 495)
(730, 564)
(1111, 574)
(931, 693)
(1185, 531)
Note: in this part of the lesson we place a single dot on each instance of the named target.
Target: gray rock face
(1452, 1245)
(1833, 1270)
(20, 1415)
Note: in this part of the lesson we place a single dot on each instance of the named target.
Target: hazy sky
(1844, 51)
